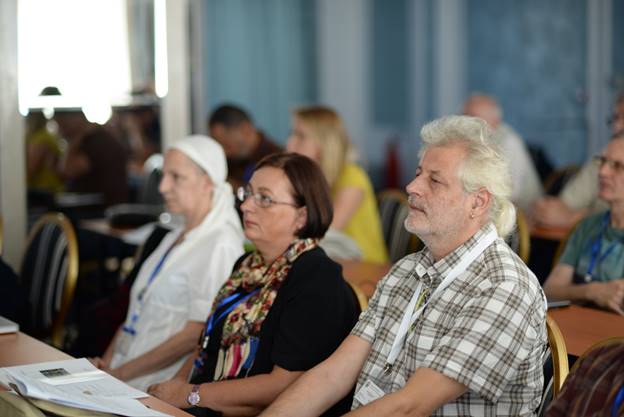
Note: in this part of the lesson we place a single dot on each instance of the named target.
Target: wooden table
(583, 326)
(550, 233)
(365, 275)
(103, 227)
(21, 349)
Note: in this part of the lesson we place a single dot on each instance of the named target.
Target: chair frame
(615, 340)
(71, 278)
(414, 243)
(524, 236)
(559, 354)
(359, 294)
(1, 235)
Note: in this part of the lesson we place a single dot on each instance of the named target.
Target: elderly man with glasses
(591, 267)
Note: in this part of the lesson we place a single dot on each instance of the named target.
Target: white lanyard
(410, 316)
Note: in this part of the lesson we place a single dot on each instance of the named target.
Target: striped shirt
(486, 330)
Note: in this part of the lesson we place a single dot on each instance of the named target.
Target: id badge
(368, 392)
(123, 343)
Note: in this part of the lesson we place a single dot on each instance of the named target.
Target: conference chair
(1, 235)
(595, 383)
(393, 209)
(555, 364)
(359, 296)
(520, 239)
(48, 274)
(556, 180)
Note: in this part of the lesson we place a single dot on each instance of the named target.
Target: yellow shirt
(46, 178)
(365, 224)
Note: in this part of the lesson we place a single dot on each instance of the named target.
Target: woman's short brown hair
(310, 190)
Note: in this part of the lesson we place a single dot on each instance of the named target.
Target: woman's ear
(302, 218)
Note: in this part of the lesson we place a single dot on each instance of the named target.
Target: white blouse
(183, 290)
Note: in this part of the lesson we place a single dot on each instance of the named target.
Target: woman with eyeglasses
(177, 283)
(285, 307)
(591, 268)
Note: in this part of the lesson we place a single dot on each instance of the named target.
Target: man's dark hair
(229, 116)
(310, 190)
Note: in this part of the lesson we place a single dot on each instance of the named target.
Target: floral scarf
(239, 340)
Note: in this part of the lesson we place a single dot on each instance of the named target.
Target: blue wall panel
(531, 54)
(261, 55)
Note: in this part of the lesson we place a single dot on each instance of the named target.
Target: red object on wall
(393, 168)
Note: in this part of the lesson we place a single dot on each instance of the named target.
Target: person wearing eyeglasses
(579, 196)
(178, 281)
(591, 268)
(285, 307)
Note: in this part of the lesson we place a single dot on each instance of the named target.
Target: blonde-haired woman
(318, 133)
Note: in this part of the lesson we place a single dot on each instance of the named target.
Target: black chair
(556, 180)
(48, 274)
(149, 193)
(1, 235)
(393, 211)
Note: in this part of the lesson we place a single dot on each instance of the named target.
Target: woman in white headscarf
(177, 283)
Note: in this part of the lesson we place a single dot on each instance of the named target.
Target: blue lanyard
(619, 399)
(135, 315)
(596, 246)
(234, 299)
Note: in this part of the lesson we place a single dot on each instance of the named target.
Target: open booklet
(76, 383)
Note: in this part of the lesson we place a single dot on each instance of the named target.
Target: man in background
(243, 143)
(526, 185)
(95, 161)
(579, 196)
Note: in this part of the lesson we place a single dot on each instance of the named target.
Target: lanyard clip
(387, 369)
(205, 342)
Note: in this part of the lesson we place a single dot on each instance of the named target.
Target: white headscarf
(209, 156)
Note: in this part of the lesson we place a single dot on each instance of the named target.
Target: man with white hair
(457, 328)
(526, 185)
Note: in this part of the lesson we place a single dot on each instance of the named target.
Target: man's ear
(481, 202)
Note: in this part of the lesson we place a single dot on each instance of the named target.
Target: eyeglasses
(260, 199)
(613, 164)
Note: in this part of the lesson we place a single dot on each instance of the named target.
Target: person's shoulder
(501, 265)
(314, 260)
(267, 145)
(223, 235)
(588, 225)
(353, 174)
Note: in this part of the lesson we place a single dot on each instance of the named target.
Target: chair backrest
(520, 239)
(595, 385)
(562, 244)
(559, 354)
(556, 180)
(1, 235)
(48, 274)
(555, 364)
(149, 193)
(393, 210)
(360, 297)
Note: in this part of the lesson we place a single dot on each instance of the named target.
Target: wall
(260, 55)
(421, 59)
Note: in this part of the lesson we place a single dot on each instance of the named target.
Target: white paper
(77, 383)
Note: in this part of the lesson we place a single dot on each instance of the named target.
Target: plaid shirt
(487, 330)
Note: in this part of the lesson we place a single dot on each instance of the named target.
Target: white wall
(12, 158)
